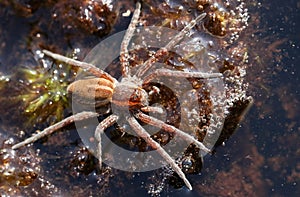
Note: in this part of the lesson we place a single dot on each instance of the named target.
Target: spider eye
(139, 97)
(136, 95)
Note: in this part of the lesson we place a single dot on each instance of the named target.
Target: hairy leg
(152, 109)
(156, 146)
(169, 128)
(173, 73)
(49, 130)
(147, 64)
(86, 66)
(107, 122)
(124, 55)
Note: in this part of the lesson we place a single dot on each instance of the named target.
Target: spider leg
(107, 122)
(147, 64)
(146, 136)
(49, 130)
(160, 124)
(152, 109)
(124, 55)
(173, 73)
(86, 66)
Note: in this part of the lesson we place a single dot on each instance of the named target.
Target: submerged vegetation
(34, 97)
(38, 93)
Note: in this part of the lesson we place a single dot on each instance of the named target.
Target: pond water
(260, 159)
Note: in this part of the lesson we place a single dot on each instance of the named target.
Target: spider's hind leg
(107, 122)
(51, 129)
(83, 65)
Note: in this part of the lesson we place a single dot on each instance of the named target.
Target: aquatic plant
(37, 93)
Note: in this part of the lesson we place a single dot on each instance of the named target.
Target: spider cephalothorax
(128, 93)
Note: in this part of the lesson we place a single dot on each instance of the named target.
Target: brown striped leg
(178, 74)
(107, 122)
(86, 66)
(49, 130)
(147, 64)
(124, 55)
(156, 146)
(169, 128)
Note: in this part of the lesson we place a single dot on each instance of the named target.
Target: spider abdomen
(92, 89)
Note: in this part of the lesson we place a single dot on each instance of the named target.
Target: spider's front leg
(124, 55)
(173, 42)
(156, 146)
(181, 74)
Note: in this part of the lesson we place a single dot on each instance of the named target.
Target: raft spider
(127, 93)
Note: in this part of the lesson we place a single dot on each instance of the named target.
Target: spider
(127, 93)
